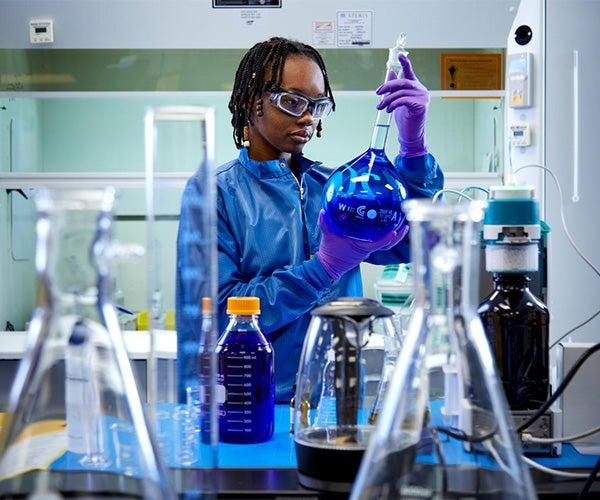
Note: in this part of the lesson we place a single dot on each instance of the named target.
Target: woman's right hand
(338, 254)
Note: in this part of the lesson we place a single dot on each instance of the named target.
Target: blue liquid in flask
(364, 197)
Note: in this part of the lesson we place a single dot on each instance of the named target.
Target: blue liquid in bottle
(363, 197)
(245, 376)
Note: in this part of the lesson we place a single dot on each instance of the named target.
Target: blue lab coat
(267, 234)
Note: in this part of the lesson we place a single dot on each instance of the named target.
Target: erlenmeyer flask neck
(445, 258)
(69, 255)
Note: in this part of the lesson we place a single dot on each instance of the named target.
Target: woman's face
(277, 134)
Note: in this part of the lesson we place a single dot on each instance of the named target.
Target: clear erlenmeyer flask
(445, 430)
(364, 196)
(75, 424)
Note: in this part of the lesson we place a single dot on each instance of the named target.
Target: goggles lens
(296, 104)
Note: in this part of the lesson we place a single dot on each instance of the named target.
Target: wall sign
(242, 4)
(471, 72)
(323, 33)
(355, 28)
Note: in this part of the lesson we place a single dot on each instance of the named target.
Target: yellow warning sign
(471, 72)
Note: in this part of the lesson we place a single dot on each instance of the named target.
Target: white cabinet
(572, 111)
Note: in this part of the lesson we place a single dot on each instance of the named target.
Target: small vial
(206, 349)
(326, 408)
(304, 409)
(245, 376)
(292, 403)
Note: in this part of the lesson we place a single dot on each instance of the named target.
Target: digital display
(246, 3)
(517, 66)
(41, 30)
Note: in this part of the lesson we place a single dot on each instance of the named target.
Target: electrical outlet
(544, 427)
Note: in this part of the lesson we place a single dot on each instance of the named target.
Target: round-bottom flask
(364, 196)
(245, 376)
(444, 430)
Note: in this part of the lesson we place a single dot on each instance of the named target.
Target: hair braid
(251, 82)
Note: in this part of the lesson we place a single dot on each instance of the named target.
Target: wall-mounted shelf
(127, 180)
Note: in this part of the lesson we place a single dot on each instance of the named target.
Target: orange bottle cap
(243, 305)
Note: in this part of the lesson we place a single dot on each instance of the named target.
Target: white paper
(36, 452)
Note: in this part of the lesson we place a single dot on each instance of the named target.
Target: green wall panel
(91, 70)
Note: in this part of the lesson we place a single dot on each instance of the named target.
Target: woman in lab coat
(273, 241)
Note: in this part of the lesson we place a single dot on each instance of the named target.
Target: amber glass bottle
(516, 324)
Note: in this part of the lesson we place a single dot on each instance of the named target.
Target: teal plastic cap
(512, 206)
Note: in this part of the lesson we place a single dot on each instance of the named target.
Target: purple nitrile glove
(339, 254)
(408, 99)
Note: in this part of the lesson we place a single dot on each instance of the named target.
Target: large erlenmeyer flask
(444, 430)
(75, 424)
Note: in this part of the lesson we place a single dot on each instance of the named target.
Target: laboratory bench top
(268, 470)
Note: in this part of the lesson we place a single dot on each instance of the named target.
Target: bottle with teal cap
(516, 321)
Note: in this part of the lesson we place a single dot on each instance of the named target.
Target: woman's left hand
(408, 99)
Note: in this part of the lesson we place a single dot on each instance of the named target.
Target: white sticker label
(355, 28)
(220, 394)
(323, 33)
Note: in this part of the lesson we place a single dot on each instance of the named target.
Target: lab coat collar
(273, 168)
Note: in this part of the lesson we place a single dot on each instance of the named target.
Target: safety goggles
(295, 103)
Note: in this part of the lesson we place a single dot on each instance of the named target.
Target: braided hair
(251, 82)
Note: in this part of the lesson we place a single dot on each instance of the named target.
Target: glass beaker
(445, 430)
(75, 386)
(182, 281)
(342, 378)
